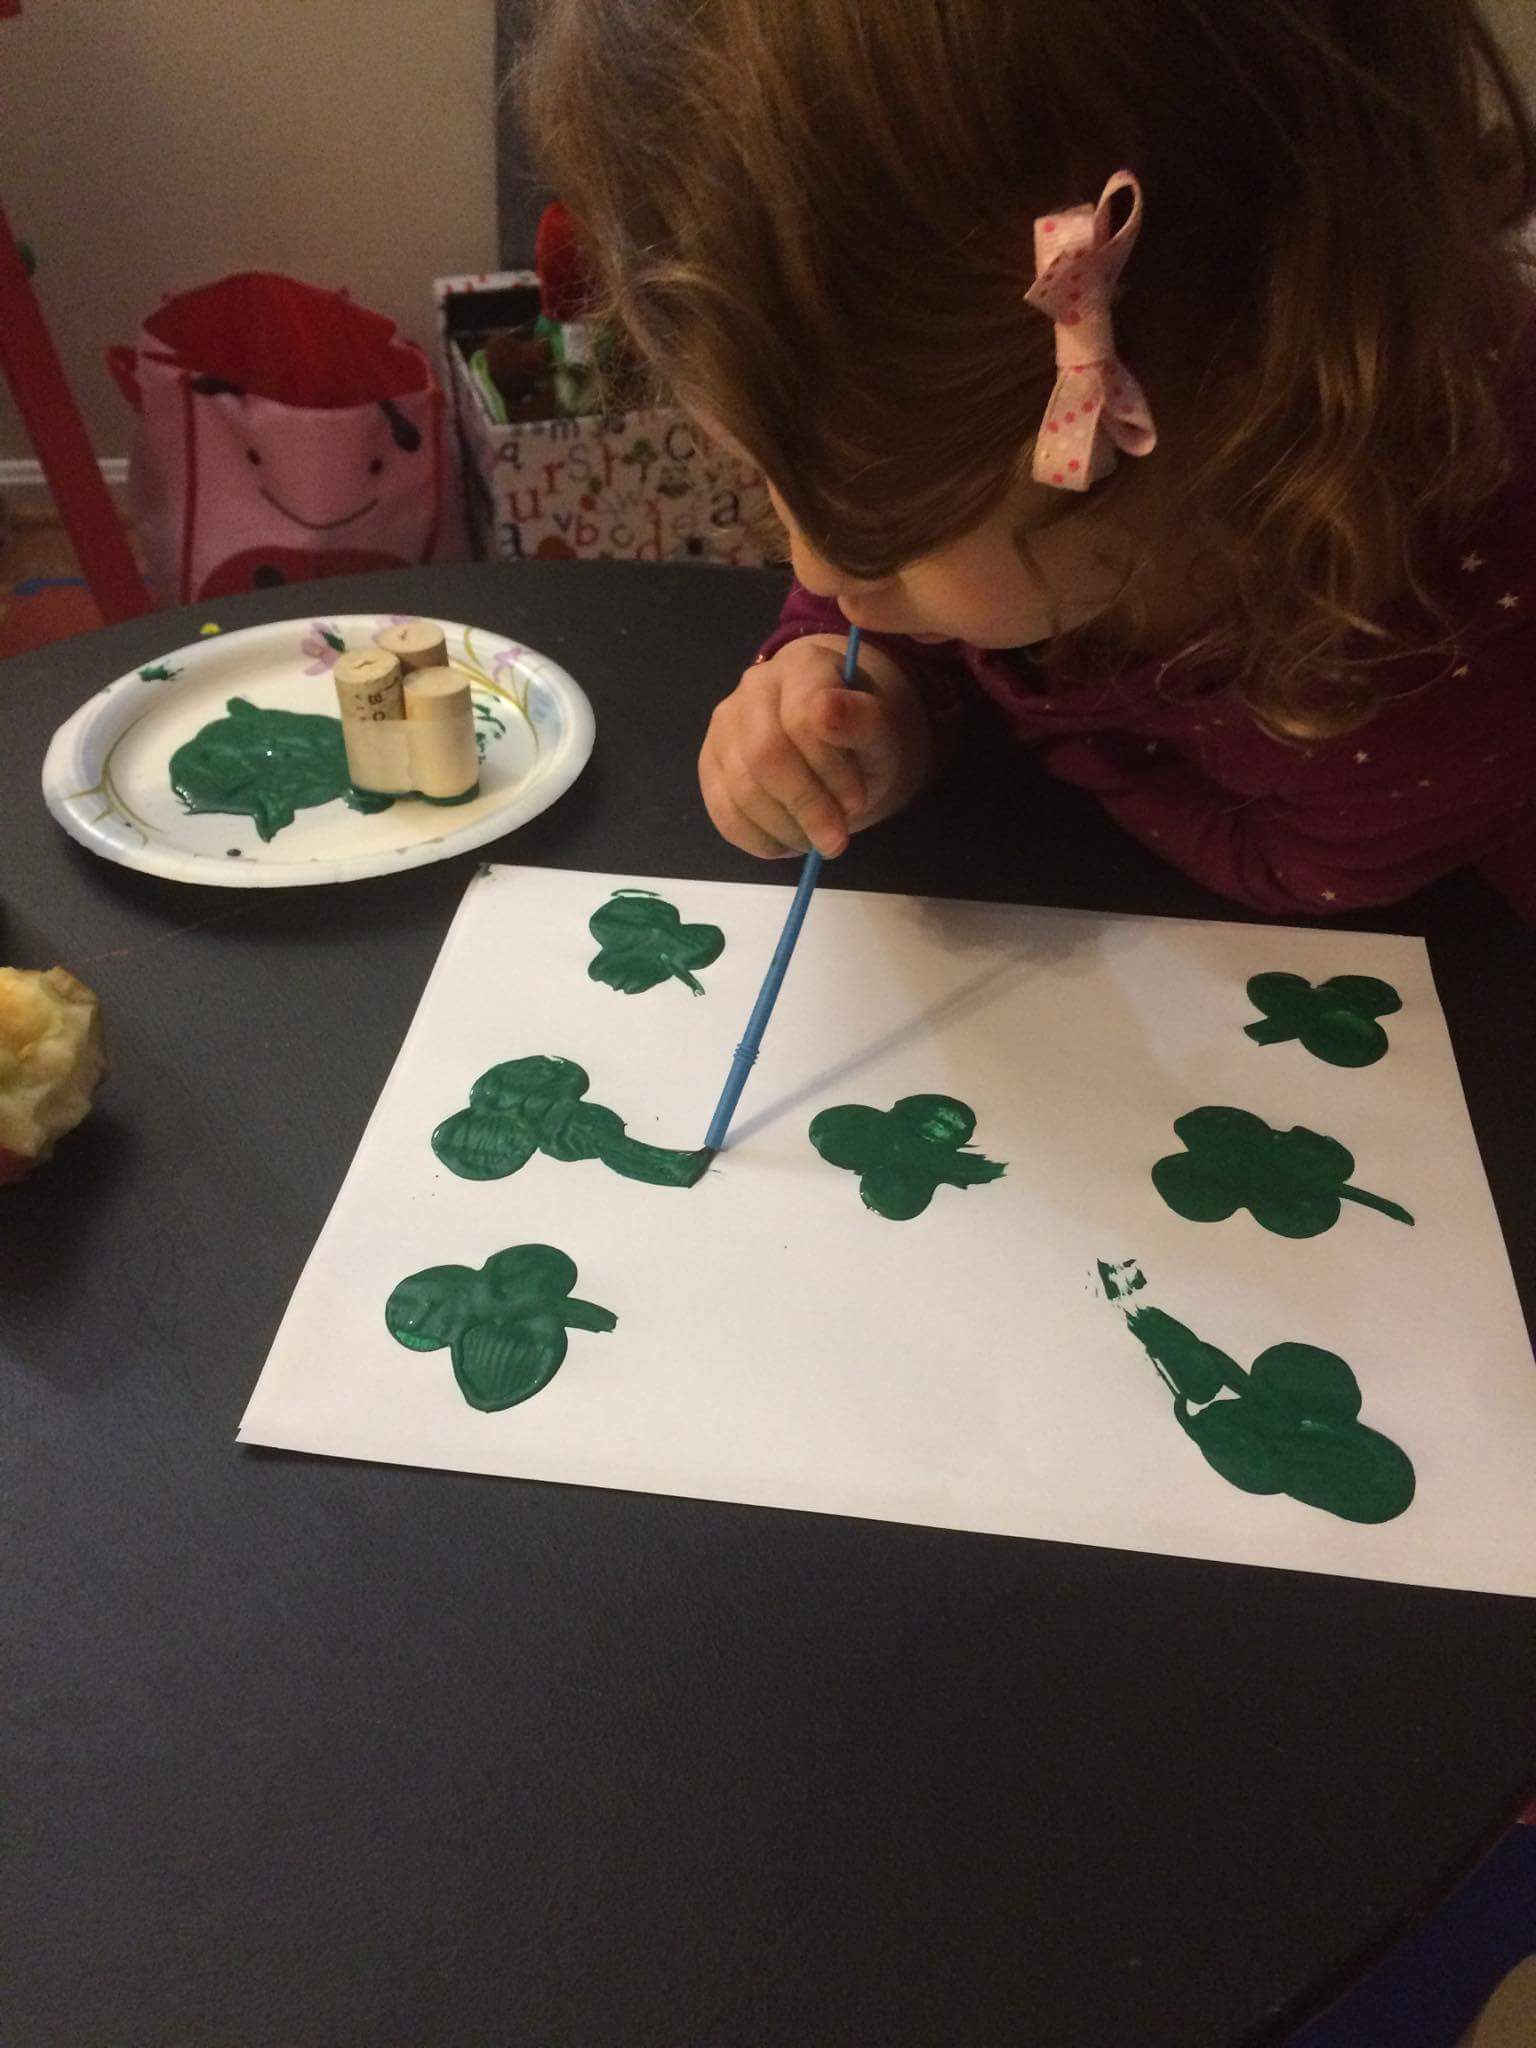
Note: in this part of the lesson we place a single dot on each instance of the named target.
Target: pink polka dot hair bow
(1097, 405)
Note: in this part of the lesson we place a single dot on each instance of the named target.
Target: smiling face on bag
(311, 492)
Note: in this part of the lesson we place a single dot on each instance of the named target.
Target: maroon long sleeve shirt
(1442, 777)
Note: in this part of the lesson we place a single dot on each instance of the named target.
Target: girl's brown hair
(814, 218)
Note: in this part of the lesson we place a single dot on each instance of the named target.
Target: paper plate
(107, 775)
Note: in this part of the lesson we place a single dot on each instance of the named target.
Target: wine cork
(368, 684)
(372, 700)
(440, 719)
(416, 644)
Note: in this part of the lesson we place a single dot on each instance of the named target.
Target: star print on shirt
(1330, 896)
(1509, 602)
(1473, 561)
(1361, 758)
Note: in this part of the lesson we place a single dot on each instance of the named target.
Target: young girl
(1159, 367)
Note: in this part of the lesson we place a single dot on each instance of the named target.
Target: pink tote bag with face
(283, 434)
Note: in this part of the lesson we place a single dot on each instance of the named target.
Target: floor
(43, 596)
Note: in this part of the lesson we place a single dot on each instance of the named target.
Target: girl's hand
(794, 759)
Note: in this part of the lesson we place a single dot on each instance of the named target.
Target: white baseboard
(23, 482)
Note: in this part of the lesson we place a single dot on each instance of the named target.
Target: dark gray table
(304, 1754)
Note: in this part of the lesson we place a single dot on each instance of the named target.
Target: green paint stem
(643, 942)
(1193, 1369)
(1377, 1202)
(504, 1323)
(655, 1164)
(266, 766)
(537, 1105)
(1291, 1182)
(1290, 1425)
(905, 1154)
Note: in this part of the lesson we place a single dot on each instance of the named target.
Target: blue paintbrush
(746, 1053)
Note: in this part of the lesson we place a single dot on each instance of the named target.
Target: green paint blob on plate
(643, 942)
(504, 1323)
(1334, 1021)
(905, 1154)
(537, 1105)
(1291, 1182)
(266, 766)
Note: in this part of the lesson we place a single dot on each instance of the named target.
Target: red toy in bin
(284, 433)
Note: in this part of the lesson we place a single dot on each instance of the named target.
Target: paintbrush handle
(745, 1057)
(746, 1053)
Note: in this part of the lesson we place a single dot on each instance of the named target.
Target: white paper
(780, 1344)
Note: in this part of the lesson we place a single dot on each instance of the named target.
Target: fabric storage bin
(631, 486)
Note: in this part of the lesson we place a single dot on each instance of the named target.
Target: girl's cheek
(1002, 607)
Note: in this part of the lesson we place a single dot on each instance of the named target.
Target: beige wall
(150, 145)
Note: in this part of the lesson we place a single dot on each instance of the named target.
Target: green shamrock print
(504, 1323)
(905, 1154)
(1335, 1021)
(1292, 1182)
(536, 1105)
(266, 765)
(1292, 1425)
(644, 942)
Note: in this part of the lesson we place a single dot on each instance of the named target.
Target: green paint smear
(504, 1323)
(1335, 1021)
(267, 765)
(905, 1154)
(1291, 1425)
(488, 727)
(1292, 1182)
(536, 1105)
(643, 942)
(1120, 1280)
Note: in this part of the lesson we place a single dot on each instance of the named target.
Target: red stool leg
(52, 420)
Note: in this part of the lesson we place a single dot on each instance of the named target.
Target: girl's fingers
(783, 785)
(766, 840)
(769, 766)
(811, 725)
(862, 729)
(764, 810)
